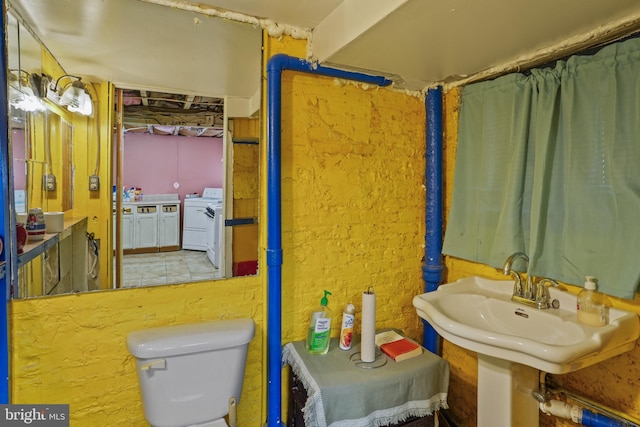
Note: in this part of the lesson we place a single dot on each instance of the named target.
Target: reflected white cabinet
(149, 227)
(127, 228)
(146, 230)
(169, 226)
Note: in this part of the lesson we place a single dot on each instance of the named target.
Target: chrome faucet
(519, 290)
(531, 293)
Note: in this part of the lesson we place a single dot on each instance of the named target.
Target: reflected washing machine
(194, 229)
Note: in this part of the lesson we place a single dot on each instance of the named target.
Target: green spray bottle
(319, 333)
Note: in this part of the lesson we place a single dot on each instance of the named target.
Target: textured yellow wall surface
(613, 383)
(353, 200)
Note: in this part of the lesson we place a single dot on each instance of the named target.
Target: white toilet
(191, 375)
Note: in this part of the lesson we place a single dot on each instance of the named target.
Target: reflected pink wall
(155, 162)
(19, 173)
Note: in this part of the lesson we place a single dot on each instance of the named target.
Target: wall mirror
(41, 139)
(190, 172)
(23, 62)
(201, 60)
(41, 145)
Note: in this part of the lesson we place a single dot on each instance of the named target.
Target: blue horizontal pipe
(276, 65)
(281, 62)
(433, 266)
(598, 420)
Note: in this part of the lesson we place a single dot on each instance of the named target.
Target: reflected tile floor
(164, 268)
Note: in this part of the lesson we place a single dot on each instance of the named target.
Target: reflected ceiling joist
(162, 113)
(195, 131)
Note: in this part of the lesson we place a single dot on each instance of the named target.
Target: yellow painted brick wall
(612, 383)
(353, 200)
(72, 349)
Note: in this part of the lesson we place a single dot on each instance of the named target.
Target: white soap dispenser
(592, 306)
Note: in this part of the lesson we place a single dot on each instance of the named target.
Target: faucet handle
(541, 289)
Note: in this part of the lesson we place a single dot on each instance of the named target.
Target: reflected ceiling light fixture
(73, 95)
(21, 95)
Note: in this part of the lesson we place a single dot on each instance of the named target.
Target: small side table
(298, 397)
(331, 390)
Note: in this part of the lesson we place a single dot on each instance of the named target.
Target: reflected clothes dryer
(194, 228)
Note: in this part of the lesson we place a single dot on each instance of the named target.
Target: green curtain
(548, 164)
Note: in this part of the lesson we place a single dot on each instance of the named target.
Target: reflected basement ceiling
(162, 113)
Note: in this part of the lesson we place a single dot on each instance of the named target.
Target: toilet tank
(188, 373)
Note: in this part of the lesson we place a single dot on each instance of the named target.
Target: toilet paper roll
(368, 344)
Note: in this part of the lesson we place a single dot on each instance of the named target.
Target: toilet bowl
(191, 375)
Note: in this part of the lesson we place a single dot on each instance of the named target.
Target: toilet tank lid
(192, 338)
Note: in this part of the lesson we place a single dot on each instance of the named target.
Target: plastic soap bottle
(593, 306)
(319, 333)
(346, 332)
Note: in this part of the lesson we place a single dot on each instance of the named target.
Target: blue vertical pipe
(274, 245)
(276, 65)
(433, 266)
(4, 223)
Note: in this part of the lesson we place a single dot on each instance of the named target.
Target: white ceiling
(180, 47)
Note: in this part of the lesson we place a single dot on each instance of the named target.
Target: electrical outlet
(49, 182)
(94, 183)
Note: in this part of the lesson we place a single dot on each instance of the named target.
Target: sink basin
(477, 313)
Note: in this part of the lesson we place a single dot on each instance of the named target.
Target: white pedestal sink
(514, 342)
